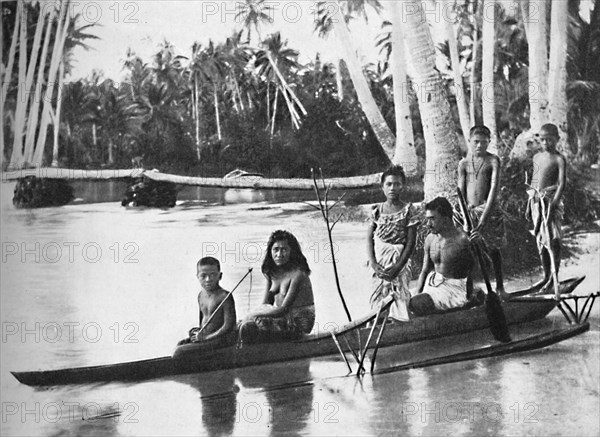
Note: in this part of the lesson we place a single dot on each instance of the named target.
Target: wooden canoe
(197, 358)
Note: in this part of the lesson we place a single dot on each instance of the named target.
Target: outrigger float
(523, 307)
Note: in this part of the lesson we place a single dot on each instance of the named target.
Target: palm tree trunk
(488, 101)
(558, 70)
(474, 63)
(285, 85)
(6, 77)
(405, 154)
(217, 117)
(442, 153)
(461, 100)
(538, 66)
(196, 115)
(17, 150)
(56, 121)
(239, 94)
(35, 49)
(339, 80)
(111, 158)
(268, 102)
(274, 111)
(293, 113)
(34, 110)
(57, 53)
(369, 106)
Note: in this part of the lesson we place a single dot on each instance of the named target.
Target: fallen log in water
(256, 182)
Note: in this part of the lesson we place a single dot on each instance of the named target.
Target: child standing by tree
(390, 242)
(549, 180)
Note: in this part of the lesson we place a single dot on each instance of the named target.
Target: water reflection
(218, 394)
(288, 394)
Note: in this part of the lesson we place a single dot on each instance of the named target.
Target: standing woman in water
(287, 309)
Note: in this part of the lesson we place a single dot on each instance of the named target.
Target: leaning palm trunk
(196, 115)
(34, 110)
(558, 70)
(405, 143)
(538, 65)
(293, 113)
(339, 83)
(441, 142)
(274, 111)
(461, 101)
(474, 64)
(488, 101)
(57, 54)
(6, 76)
(369, 106)
(56, 120)
(285, 85)
(35, 49)
(217, 116)
(17, 150)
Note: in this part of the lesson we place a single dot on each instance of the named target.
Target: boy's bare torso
(546, 169)
(208, 303)
(478, 172)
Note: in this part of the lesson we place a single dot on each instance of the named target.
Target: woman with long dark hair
(287, 309)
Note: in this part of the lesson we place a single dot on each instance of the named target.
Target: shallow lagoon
(96, 283)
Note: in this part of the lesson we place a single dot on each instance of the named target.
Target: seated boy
(220, 328)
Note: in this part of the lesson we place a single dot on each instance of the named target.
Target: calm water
(96, 283)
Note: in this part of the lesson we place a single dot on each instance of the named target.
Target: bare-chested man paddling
(479, 181)
(445, 280)
(548, 182)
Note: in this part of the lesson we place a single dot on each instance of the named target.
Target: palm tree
(75, 37)
(273, 63)
(208, 72)
(557, 81)
(330, 17)
(254, 13)
(115, 115)
(537, 34)
(442, 153)
(405, 141)
(488, 101)
(236, 56)
(455, 64)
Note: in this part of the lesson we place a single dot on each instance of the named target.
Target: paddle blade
(496, 318)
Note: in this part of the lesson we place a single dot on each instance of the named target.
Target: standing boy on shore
(479, 182)
(548, 182)
(221, 327)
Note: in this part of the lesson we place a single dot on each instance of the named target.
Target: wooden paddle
(493, 307)
(219, 306)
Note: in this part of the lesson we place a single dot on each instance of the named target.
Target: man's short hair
(208, 261)
(480, 129)
(394, 170)
(441, 205)
(551, 129)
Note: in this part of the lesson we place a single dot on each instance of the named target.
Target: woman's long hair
(297, 258)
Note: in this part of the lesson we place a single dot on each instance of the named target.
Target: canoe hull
(197, 358)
